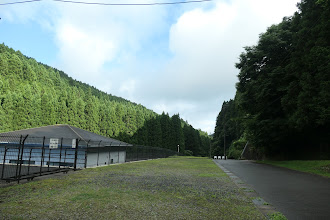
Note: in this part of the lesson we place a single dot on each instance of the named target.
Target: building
(53, 148)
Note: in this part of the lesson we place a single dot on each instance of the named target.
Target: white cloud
(198, 31)
(127, 88)
(272, 10)
(179, 106)
(19, 13)
(206, 44)
(82, 53)
(38, 12)
(102, 45)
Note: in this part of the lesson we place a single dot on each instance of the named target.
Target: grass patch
(277, 216)
(172, 188)
(319, 167)
(247, 189)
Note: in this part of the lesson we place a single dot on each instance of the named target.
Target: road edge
(264, 207)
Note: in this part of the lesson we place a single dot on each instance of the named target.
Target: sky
(174, 58)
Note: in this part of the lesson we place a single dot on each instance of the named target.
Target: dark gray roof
(67, 132)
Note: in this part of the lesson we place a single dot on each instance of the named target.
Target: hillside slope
(33, 94)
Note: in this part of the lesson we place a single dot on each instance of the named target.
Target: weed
(277, 216)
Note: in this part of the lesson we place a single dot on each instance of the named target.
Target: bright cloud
(206, 44)
(103, 45)
(127, 88)
(80, 48)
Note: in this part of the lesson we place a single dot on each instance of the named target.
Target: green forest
(33, 95)
(282, 102)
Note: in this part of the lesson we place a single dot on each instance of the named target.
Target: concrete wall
(105, 158)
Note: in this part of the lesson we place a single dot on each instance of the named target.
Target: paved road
(295, 194)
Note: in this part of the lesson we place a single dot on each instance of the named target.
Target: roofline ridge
(109, 139)
(76, 133)
(28, 128)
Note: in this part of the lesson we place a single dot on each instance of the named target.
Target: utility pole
(224, 140)
(224, 129)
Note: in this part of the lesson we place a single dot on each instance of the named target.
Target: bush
(236, 148)
(188, 153)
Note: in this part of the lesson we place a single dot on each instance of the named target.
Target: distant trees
(228, 128)
(33, 94)
(169, 132)
(283, 94)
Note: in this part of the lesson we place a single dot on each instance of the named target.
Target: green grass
(277, 216)
(172, 188)
(319, 167)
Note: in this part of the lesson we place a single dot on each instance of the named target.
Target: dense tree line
(172, 133)
(283, 95)
(33, 94)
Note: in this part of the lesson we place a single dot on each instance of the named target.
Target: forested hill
(282, 102)
(33, 94)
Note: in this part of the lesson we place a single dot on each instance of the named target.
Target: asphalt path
(295, 194)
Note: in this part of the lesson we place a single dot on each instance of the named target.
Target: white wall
(105, 158)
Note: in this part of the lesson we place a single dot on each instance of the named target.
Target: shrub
(236, 148)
